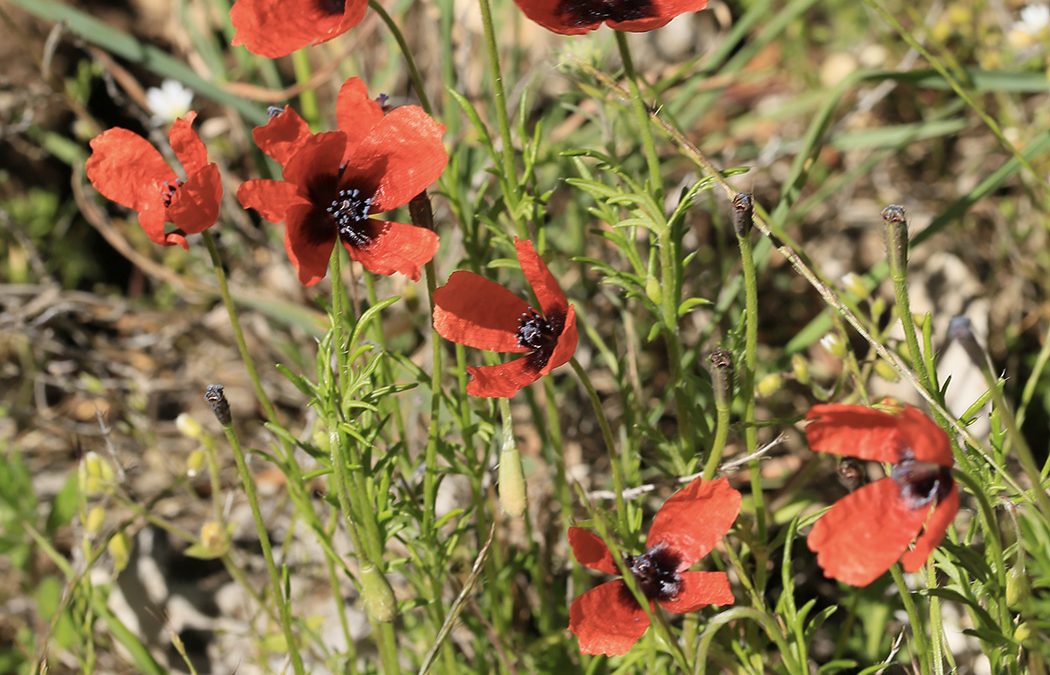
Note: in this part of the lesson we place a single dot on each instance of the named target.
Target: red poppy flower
(900, 517)
(575, 17)
(126, 169)
(479, 313)
(607, 619)
(273, 28)
(334, 181)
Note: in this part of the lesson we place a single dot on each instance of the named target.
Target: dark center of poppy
(349, 210)
(921, 482)
(656, 572)
(168, 191)
(591, 12)
(332, 6)
(539, 335)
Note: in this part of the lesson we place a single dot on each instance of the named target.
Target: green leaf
(65, 504)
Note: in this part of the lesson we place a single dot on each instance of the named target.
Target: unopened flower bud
(800, 368)
(96, 517)
(878, 307)
(189, 427)
(652, 290)
(743, 213)
(119, 549)
(213, 537)
(886, 371)
(769, 385)
(896, 231)
(95, 474)
(1023, 632)
(722, 376)
(195, 462)
(512, 491)
(834, 344)
(215, 395)
(855, 286)
(1018, 587)
(960, 329)
(376, 594)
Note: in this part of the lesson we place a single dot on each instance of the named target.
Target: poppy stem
(610, 446)
(413, 71)
(307, 97)
(641, 112)
(921, 649)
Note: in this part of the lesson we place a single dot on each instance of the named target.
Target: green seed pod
(886, 371)
(119, 549)
(652, 290)
(800, 367)
(189, 427)
(1018, 587)
(377, 595)
(769, 385)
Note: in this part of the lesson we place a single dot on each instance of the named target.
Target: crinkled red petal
(549, 294)
(274, 28)
(547, 14)
(317, 158)
(395, 247)
(864, 533)
(195, 205)
(700, 589)
(126, 169)
(855, 431)
(502, 381)
(476, 312)
(401, 157)
(188, 147)
(271, 198)
(566, 346)
(927, 441)
(281, 137)
(308, 251)
(607, 619)
(694, 519)
(356, 114)
(591, 551)
(664, 12)
(933, 532)
(152, 219)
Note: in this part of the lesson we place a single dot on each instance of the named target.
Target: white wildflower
(1033, 28)
(169, 102)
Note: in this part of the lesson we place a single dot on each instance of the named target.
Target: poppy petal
(549, 14)
(607, 619)
(502, 381)
(926, 441)
(308, 251)
(700, 589)
(356, 114)
(664, 11)
(152, 218)
(195, 205)
(693, 520)
(855, 431)
(933, 532)
(282, 135)
(271, 198)
(549, 294)
(317, 158)
(126, 169)
(591, 551)
(400, 158)
(864, 533)
(567, 341)
(188, 147)
(473, 311)
(274, 28)
(395, 247)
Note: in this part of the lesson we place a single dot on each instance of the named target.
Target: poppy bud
(95, 474)
(886, 371)
(189, 427)
(960, 329)
(769, 385)
(896, 231)
(743, 213)
(512, 491)
(119, 549)
(722, 376)
(834, 344)
(1017, 587)
(216, 398)
(377, 595)
(800, 368)
(96, 517)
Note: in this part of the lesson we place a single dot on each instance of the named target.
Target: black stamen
(656, 571)
(921, 482)
(168, 191)
(349, 210)
(591, 12)
(539, 335)
(332, 6)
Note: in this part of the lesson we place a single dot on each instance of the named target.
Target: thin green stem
(413, 71)
(430, 459)
(922, 652)
(721, 434)
(307, 97)
(747, 385)
(264, 543)
(641, 112)
(610, 445)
